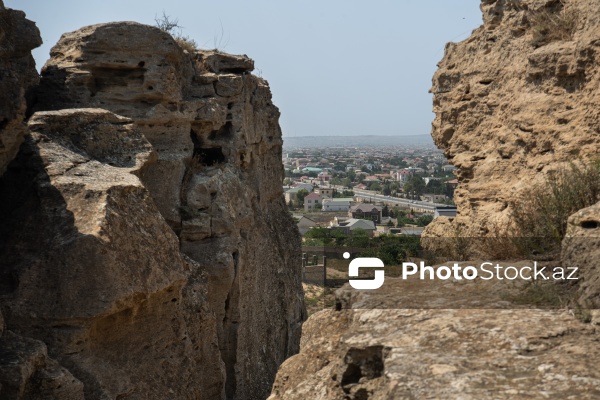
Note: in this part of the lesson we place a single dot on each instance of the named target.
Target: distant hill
(358, 141)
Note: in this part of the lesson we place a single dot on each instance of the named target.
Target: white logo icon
(367, 262)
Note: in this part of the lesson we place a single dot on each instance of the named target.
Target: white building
(340, 204)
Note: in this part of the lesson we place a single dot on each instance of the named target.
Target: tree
(351, 175)
(415, 185)
(387, 190)
(302, 193)
(424, 220)
(359, 238)
(434, 186)
(317, 233)
(385, 212)
(375, 186)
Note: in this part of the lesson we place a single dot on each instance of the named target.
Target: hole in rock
(589, 224)
(204, 153)
(362, 363)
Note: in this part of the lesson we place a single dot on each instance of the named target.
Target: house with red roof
(313, 201)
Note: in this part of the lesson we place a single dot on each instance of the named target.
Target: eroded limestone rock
(91, 268)
(509, 109)
(18, 36)
(162, 207)
(581, 249)
(373, 349)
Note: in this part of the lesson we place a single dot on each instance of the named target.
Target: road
(416, 204)
(371, 195)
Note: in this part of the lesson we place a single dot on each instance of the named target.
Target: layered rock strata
(165, 263)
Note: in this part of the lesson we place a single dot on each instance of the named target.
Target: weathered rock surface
(26, 372)
(370, 349)
(92, 269)
(18, 36)
(509, 109)
(581, 249)
(156, 257)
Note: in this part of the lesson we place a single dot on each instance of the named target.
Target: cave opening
(205, 154)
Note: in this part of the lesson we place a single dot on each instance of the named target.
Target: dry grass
(539, 217)
(172, 27)
(538, 220)
(317, 298)
(186, 43)
(555, 23)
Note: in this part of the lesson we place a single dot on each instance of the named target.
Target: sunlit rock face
(157, 257)
(512, 105)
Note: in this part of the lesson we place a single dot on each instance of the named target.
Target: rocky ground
(449, 340)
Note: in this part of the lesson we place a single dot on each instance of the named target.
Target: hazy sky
(335, 67)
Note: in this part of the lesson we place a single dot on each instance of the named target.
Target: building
(434, 198)
(453, 183)
(448, 211)
(290, 194)
(304, 224)
(352, 224)
(403, 175)
(339, 204)
(313, 201)
(325, 191)
(325, 177)
(428, 179)
(366, 211)
(312, 169)
(448, 168)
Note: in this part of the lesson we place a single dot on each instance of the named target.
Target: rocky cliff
(146, 242)
(18, 36)
(516, 100)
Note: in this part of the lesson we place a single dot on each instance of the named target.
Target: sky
(335, 67)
